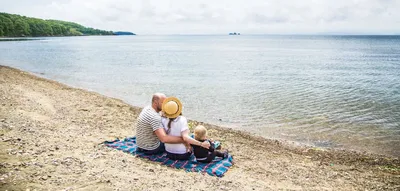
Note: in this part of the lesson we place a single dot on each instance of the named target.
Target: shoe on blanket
(217, 145)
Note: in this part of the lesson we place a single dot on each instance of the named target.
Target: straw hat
(172, 107)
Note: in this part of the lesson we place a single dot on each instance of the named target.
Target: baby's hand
(205, 144)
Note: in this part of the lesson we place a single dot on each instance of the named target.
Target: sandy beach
(51, 137)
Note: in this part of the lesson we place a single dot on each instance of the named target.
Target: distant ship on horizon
(234, 33)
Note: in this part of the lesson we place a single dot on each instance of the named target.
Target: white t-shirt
(177, 126)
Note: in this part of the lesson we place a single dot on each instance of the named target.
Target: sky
(220, 16)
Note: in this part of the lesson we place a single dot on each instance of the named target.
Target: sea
(325, 91)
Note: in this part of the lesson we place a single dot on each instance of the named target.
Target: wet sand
(51, 137)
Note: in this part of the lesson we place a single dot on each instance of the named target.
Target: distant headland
(12, 25)
(124, 33)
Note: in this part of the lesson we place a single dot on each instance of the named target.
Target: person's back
(205, 155)
(202, 153)
(177, 126)
(148, 121)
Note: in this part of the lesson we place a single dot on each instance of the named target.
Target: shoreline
(37, 110)
(290, 144)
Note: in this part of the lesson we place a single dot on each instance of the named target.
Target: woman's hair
(199, 132)
(169, 123)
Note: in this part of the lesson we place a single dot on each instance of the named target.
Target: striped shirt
(149, 121)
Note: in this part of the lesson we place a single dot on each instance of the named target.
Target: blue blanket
(218, 167)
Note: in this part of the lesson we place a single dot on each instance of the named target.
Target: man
(150, 135)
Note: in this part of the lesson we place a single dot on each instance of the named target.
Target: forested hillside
(12, 25)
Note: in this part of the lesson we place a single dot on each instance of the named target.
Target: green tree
(64, 30)
(34, 27)
(21, 28)
(8, 26)
(56, 29)
(16, 25)
(48, 31)
(1, 30)
(74, 32)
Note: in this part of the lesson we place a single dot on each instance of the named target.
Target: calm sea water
(328, 91)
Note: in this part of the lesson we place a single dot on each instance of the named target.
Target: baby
(202, 154)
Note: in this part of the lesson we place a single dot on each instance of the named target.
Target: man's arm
(160, 133)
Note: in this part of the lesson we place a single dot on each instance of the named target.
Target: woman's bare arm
(190, 140)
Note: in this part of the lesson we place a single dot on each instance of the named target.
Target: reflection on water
(330, 91)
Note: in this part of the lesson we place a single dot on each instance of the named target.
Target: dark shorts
(212, 156)
(158, 150)
(209, 158)
(173, 156)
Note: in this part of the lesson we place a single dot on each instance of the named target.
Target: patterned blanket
(218, 167)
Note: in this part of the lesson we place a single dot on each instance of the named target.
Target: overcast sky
(220, 16)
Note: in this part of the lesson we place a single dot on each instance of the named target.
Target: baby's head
(200, 132)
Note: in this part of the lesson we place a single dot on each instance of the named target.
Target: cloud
(222, 16)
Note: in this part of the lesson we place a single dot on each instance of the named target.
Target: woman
(176, 125)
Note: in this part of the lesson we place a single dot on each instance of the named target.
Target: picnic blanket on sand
(218, 167)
